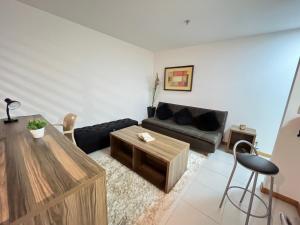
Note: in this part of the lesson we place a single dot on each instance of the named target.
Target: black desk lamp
(11, 105)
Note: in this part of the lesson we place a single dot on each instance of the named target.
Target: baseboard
(281, 197)
(261, 153)
(264, 154)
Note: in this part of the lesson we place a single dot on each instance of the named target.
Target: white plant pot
(38, 133)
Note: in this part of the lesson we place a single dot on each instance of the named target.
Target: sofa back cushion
(207, 121)
(163, 112)
(183, 117)
(220, 115)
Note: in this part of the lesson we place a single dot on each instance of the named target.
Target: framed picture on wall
(179, 78)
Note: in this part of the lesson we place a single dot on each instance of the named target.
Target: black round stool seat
(257, 164)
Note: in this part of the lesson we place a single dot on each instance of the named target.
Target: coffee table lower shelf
(162, 174)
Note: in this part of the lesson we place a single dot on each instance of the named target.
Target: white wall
(54, 66)
(249, 77)
(286, 153)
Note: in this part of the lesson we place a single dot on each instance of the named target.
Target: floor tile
(204, 199)
(231, 214)
(184, 214)
(214, 180)
(218, 166)
(222, 156)
(241, 174)
(199, 204)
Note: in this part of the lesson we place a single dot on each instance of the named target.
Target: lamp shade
(11, 104)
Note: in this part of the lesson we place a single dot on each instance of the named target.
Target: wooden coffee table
(162, 161)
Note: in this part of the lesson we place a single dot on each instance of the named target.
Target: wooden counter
(48, 180)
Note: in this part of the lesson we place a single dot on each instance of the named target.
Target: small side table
(236, 134)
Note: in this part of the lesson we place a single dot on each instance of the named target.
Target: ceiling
(159, 24)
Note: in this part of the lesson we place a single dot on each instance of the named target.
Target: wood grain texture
(176, 168)
(41, 174)
(4, 210)
(37, 180)
(248, 130)
(162, 161)
(69, 165)
(236, 134)
(164, 147)
(84, 206)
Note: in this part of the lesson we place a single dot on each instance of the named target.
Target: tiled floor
(198, 205)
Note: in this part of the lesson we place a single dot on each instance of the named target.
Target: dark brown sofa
(204, 141)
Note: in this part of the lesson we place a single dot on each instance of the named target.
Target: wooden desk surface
(163, 147)
(36, 173)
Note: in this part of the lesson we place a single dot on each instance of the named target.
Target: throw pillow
(207, 121)
(183, 117)
(163, 112)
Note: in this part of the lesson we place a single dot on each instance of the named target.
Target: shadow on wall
(26, 75)
(53, 85)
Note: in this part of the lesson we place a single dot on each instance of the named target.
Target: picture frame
(179, 78)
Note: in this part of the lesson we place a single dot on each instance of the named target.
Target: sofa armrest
(223, 123)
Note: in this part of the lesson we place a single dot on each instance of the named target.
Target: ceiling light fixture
(187, 22)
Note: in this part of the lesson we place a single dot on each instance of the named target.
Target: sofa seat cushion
(189, 130)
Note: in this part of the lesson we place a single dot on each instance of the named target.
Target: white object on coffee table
(146, 137)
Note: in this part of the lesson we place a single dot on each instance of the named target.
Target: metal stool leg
(270, 200)
(228, 184)
(247, 186)
(251, 198)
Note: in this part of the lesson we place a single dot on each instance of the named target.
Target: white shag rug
(133, 200)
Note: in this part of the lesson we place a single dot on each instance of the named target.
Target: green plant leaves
(36, 124)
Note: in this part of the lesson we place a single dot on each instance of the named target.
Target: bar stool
(258, 166)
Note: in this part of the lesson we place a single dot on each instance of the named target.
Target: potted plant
(151, 109)
(37, 128)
